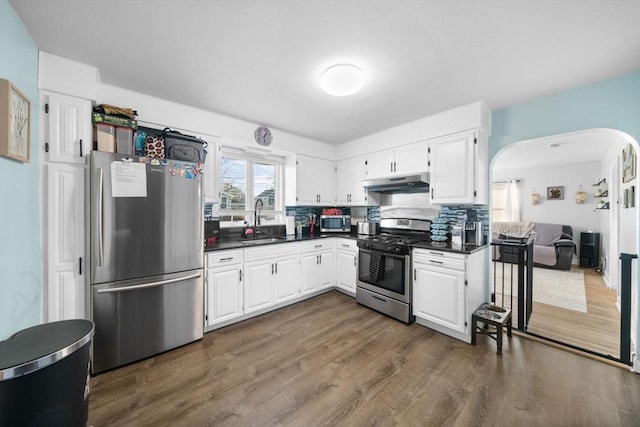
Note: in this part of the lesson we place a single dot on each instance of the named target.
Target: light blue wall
(20, 242)
(613, 104)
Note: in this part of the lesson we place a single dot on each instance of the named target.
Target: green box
(99, 118)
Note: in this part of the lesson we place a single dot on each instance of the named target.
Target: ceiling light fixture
(342, 80)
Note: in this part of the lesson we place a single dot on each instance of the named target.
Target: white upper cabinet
(209, 189)
(68, 131)
(315, 182)
(350, 173)
(407, 159)
(458, 169)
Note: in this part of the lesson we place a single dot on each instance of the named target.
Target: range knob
(390, 248)
(398, 250)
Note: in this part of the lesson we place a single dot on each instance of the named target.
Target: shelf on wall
(605, 193)
(602, 181)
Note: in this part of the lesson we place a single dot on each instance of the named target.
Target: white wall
(471, 116)
(565, 211)
(73, 78)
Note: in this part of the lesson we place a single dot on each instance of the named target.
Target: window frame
(269, 217)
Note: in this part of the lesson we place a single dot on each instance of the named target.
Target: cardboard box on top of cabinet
(114, 121)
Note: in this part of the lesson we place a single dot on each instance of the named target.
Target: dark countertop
(245, 243)
(449, 247)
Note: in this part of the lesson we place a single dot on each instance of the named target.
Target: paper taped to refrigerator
(128, 179)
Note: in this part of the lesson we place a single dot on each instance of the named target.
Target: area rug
(564, 289)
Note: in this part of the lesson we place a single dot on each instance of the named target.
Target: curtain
(512, 208)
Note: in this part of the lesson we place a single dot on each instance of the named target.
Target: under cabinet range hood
(415, 183)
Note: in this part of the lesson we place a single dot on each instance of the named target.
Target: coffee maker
(472, 233)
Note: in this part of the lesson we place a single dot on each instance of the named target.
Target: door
(137, 319)
(346, 270)
(380, 164)
(224, 294)
(325, 269)
(68, 128)
(411, 158)
(452, 168)
(65, 221)
(308, 267)
(438, 296)
(286, 279)
(258, 285)
(349, 176)
(306, 178)
(143, 236)
(325, 181)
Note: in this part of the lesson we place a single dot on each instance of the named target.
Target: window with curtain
(243, 180)
(505, 201)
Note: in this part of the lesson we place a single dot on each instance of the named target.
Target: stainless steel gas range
(384, 267)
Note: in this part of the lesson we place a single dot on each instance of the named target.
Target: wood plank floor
(597, 330)
(328, 361)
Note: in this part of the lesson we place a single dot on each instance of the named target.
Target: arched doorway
(589, 162)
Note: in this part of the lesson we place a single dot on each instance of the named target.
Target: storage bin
(124, 140)
(44, 375)
(106, 138)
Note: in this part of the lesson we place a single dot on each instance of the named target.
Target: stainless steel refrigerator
(146, 285)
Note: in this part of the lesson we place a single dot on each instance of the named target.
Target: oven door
(393, 282)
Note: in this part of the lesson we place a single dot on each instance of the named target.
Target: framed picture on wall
(555, 193)
(15, 121)
(628, 163)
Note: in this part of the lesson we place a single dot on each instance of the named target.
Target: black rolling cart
(44, 375)
(590, 250)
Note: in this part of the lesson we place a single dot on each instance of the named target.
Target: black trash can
(44, 375)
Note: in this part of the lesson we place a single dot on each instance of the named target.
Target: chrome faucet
(256, 212)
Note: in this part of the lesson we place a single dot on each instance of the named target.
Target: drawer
(271, 251)
(346, 244)
(439, 259)
(317, 245)
(222, 258)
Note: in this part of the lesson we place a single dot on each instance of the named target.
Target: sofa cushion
(545, 255)
(547, 234)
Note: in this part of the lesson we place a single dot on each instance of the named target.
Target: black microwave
(335, 223)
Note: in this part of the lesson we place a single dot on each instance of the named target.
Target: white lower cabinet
(316, 265)
(346, 264)
(224, 287)
(447, 288)
(272, 276)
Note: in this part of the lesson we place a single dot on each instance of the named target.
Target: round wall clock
(263, 136)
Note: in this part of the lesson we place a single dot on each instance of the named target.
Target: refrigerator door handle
(100, 216)
(148, 285)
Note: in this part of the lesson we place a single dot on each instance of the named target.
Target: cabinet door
(68, 128)
(325, 177)
(308, 268)
(452, 169)
(65, 261)
(349, 176)
(224, 294)
(346, 270)
(380, 164)
(411, 158)
(325, 269)
(306, 190)
(439, 296)
(209, 188)
(258, 285)
(286, 279)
